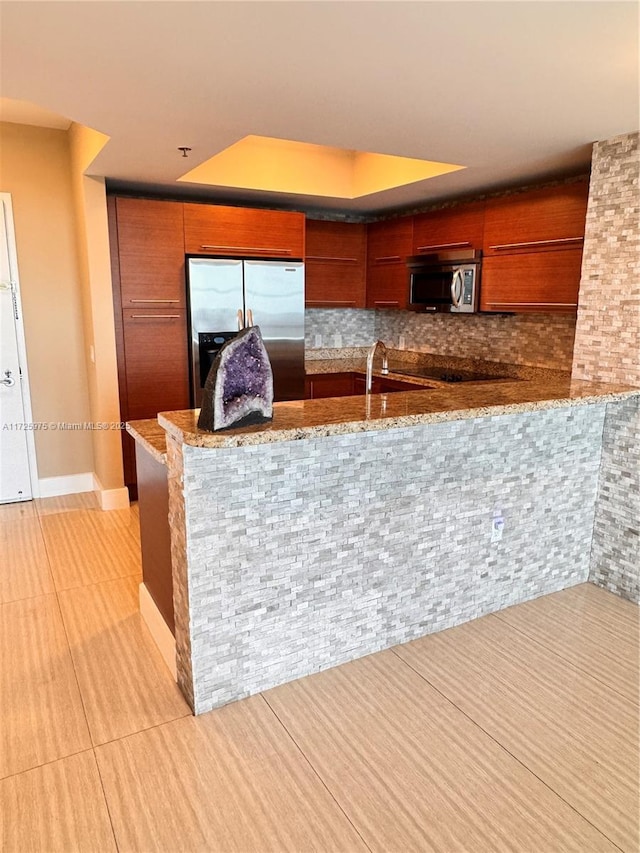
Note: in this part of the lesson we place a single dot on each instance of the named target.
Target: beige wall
(95, 276)
(35, 169)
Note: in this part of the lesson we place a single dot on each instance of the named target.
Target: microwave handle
(456, 295)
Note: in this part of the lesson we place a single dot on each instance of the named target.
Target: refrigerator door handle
(240, 320)
(249, 317)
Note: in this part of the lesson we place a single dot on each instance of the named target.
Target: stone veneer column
(177, 523)
(607, 348)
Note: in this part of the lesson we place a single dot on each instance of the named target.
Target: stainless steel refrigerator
(226, 295)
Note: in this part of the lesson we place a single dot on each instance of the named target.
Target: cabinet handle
(155, 316)
(270, 251)
(444, 246)
(556, 242)
(557, 304)
(388, 258)
(149, 301)
(327, 302)
(327, 258)
(377, 303)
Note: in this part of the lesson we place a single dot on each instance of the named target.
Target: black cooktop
(448, 374)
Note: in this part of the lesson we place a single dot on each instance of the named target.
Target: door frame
(5, 200)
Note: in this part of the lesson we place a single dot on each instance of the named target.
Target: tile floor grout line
(96, 583)
(106, 800)
(140, 731)
(27, 598)
(73, 666)
(45, 764)
(505, 749)
(565, 660)
(46, 551)
(314, 771)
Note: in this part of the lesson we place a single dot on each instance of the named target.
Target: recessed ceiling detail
(280, 165)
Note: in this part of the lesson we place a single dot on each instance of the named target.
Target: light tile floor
(516, 732)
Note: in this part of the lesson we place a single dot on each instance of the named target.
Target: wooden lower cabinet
(319, 385)
(532, 282)
(155, 535)
(382, 385)
(156, 372)
(157, 367)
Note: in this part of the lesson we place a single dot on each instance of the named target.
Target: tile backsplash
(537, 340)
(338, 328)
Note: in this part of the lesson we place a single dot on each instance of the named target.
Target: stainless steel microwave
(447, 282)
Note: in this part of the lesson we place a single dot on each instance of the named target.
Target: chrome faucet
(370, 357)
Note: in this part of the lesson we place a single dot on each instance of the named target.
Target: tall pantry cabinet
(147, 260)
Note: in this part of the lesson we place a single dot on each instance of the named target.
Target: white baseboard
(71, 484)
(114, 498)
(159, 630)
(111, 498)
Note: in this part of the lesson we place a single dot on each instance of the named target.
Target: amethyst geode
(239, 387)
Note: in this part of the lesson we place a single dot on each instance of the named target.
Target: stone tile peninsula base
(294, 556)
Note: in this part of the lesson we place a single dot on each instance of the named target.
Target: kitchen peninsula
(349, 525)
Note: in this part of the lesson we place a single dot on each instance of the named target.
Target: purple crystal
(239, 387)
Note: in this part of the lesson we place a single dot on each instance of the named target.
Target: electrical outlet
(401, 342)
(337, 341)
(318, 341)
(497, 526)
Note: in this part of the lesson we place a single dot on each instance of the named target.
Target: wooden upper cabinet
(150, 249)
(536, 220)
(213, 229)
(532, 282)
(459, 227)
(335, 264)
(533, 250)
(388, 245)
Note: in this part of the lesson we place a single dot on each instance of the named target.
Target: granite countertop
(526, 389)
(151, 436)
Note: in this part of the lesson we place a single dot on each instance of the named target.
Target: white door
(16, 437)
